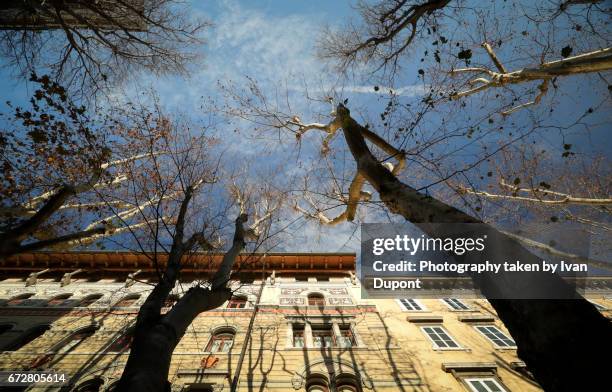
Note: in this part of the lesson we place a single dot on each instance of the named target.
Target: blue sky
(273, 42)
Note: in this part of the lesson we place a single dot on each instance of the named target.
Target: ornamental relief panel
(291, 301)
(292, 291)
(335, 291)
(340, 301)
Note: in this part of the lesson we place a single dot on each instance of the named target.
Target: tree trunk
(557, 339)
(154, 341)
(156, 335)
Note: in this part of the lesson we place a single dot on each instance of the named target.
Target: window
(19, 300)
(316, 300)
(27, 337)
(298, 335)
(122, 343)
(410, 304)
(59, 300)
(90, 299)
(439, 337)
(455, 304)
(75, 340)
(346, 338)
(221, 342)
(322, 336)
(63, 347)
(237, 303)
(497, 337)
(488, 384)
(126, 301)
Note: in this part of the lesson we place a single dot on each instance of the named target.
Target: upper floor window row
(323, 336)
(68, 300)
(411, 304)
(455, 304)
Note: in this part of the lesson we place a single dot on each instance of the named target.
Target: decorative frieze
(292, 301)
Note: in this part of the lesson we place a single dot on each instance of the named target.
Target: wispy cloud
(414, 90)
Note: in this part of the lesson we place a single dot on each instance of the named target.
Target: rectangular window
(439, 337)
(298, 335)
(455, 304)
(497, 337)
(410, 304)
(488, 384)
(237, 303)
(322, 336)
(346, 339)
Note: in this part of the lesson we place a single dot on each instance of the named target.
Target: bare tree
(548, 335)
(90, 45)
(386, 31)
(55, 160)
(477, 64)
(596, 61)
(176, 195)
(156, 335)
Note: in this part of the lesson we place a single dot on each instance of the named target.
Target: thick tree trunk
(557, 339)
(156, 335)
(155, 339)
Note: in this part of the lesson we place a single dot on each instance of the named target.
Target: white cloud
(413, 90)
(270, 48)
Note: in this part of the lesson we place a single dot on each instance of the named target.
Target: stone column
(337, 334)
(308, 341)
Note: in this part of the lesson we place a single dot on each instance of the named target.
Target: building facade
(296, 322)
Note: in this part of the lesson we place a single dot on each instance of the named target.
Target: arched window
(90, 299)
(19, 300)
(27, 337)
(63, 347)
(317, 383)
(59, 300)
(127, 301)
(221, 341)
(237, 302)
(74, 340)
(93, 385)
(123, 342)
(316, 299)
